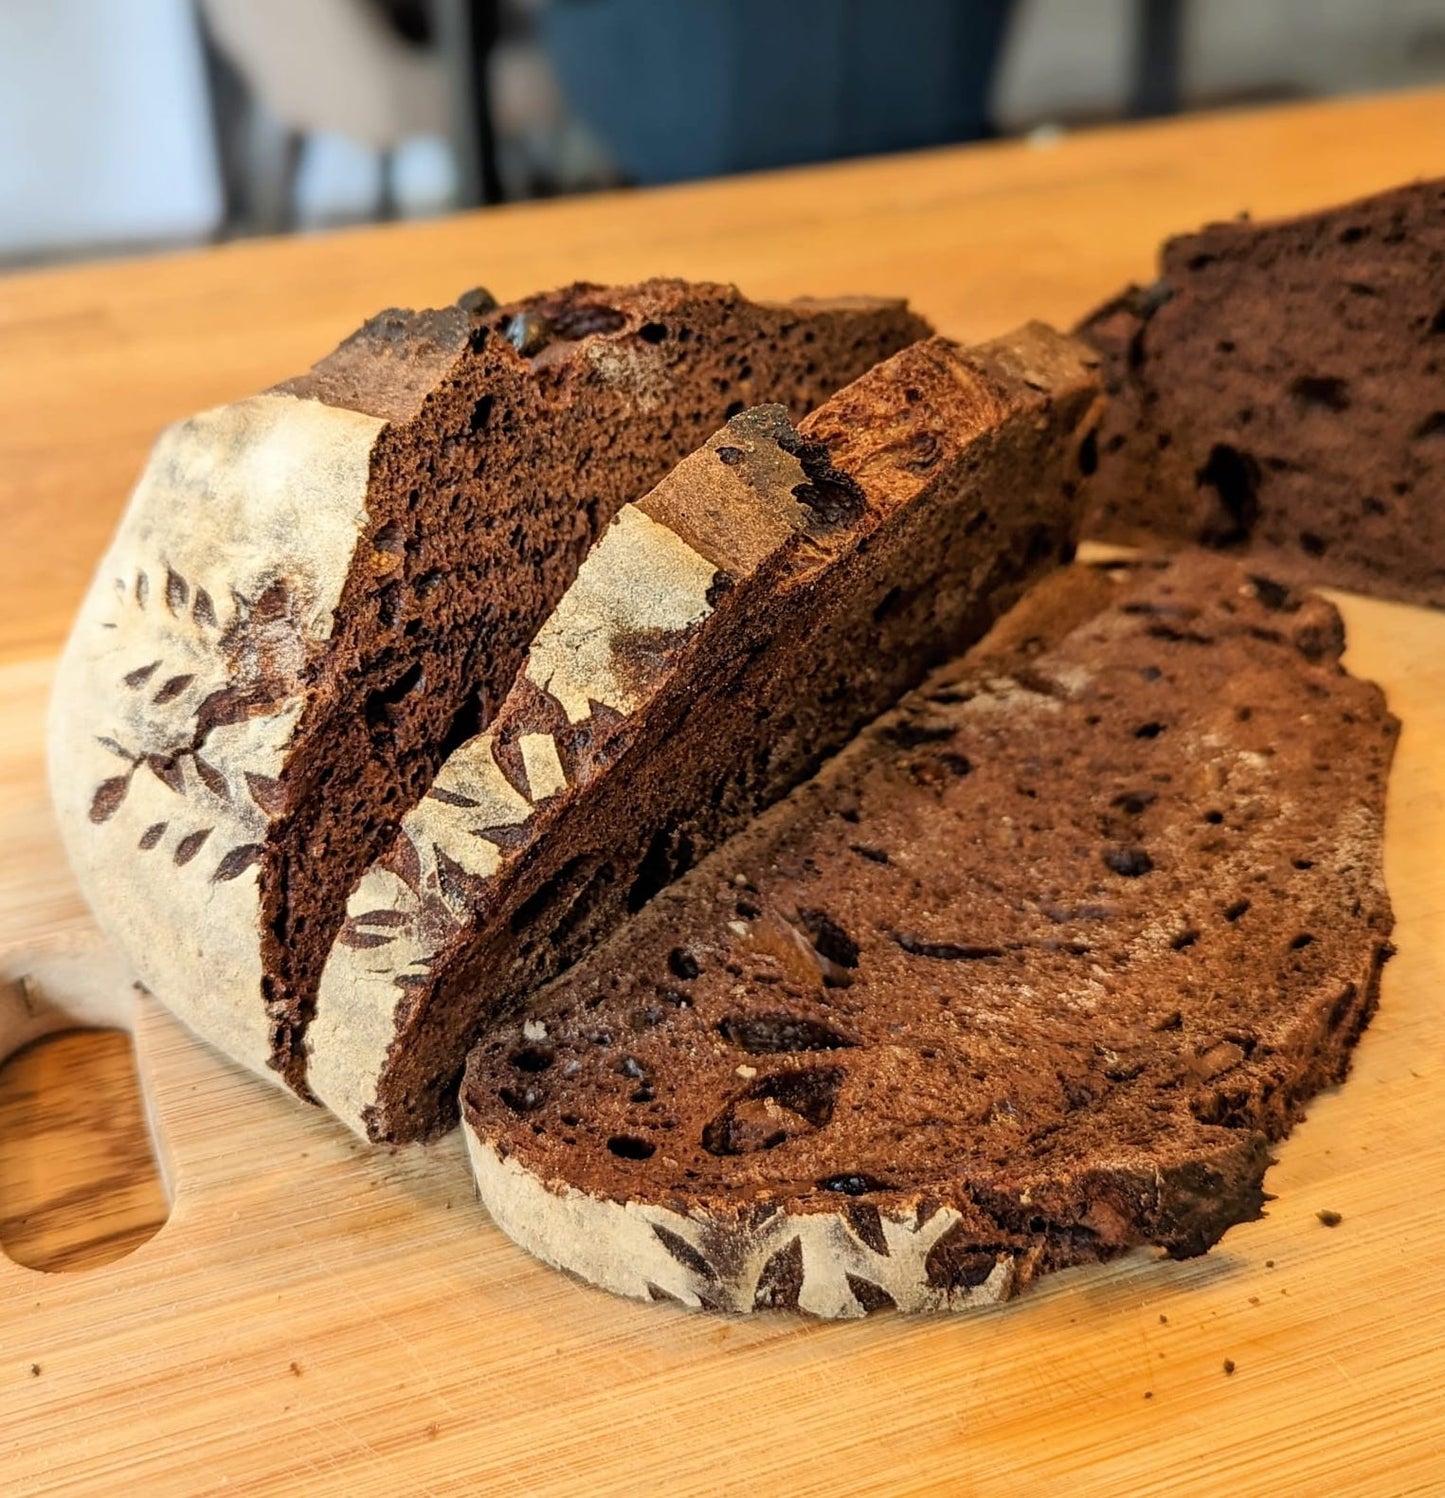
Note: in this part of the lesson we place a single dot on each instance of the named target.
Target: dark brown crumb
(1148, 1393)
(739, 1142)
(296, 1369)
(1268, 395)
(433, 1431)
(1269, 1263)
(1229, 1365)
(1330, 1219)
(35, 1370)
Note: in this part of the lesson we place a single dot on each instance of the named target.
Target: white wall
(104, 133)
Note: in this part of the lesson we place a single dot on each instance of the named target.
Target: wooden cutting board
(318, 1317)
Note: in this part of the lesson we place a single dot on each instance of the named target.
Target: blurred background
(139, 124)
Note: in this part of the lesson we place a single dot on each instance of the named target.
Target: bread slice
(1028, 976)
(1281, 392)
(319, 591)
(771, 596)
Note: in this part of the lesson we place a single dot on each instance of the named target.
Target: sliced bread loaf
(317, 592)
(1281, 392)
(1027, 976)
(739, 623)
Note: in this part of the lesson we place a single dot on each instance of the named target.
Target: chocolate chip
(1128, 863)
(477, 301)
(853, 1184)
(777, 1032)
(529, 333)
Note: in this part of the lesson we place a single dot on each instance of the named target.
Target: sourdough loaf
(773, 594)
(319, 591)
(1281, 391)
(1027, 976)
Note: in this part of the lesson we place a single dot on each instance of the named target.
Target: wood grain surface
(316, 1316)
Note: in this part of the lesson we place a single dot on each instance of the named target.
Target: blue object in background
(700, 88)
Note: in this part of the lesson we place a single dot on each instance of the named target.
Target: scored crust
(1029, 975)
(316, 592)
(731, 629)
(1280, 391)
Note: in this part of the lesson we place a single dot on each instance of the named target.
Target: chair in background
(1158, 58)
(379, 72)
(698, 88)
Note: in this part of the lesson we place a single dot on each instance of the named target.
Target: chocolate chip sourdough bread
(772, 595)
(1281, 391)
(1027, 976)
(316, 593)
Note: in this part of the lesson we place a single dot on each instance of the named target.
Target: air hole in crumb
(682, 964)
(1304, 863)
(1148, 730)
(1135, 803)
(630, 1147)
(587, 318)
(1326, 391)
(1300, 942)
(652, 332)
(534, 1058)
(865, 850)
(1312, 545)
(1214, 818)
(1184, 939)
(1233, 912)
(1234, 476)
(481, 413)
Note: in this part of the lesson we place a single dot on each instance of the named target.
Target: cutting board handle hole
(80, 1185)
